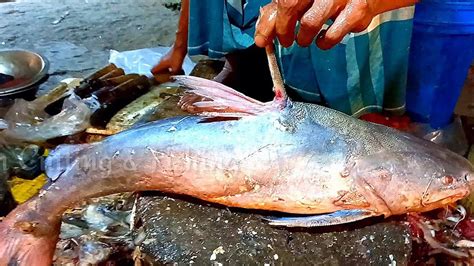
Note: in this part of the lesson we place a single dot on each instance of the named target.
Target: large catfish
(280, 156)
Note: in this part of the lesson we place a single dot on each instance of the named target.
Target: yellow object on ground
(23, 189)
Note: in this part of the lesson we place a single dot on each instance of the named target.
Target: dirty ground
(185, 232)
(77, 35)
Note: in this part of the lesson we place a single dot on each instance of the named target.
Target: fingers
(162, 66)
(169, 64)
(265, 28)
(279, 18)
(351, 18)
(313, 20)
(172, 61)
(288, 13)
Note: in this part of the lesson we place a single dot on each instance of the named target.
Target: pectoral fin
(62, 158)
(335, 218)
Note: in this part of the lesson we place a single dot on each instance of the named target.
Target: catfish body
(305, 160)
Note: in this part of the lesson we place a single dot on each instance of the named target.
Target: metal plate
(25, 66)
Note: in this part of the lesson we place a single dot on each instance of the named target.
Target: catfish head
(413, 181)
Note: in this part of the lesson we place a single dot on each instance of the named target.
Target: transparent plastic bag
(28, 121)
(142, 61)
(452, 136)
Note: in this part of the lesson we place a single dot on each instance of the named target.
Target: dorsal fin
(217, 99)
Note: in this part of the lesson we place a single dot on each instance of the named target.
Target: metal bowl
(26, 67)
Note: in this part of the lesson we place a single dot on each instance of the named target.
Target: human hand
(279, 19)
(171, 62)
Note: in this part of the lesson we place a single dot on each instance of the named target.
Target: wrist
(181, 42)
(179, 50)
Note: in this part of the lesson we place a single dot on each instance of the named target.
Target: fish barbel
(281, 156)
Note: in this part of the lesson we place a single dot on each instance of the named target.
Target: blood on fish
(278, 95)
(412, 220)
(466, 228)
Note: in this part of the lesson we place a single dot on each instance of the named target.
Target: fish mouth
(461, 195)
(451, 192)
(448, 199)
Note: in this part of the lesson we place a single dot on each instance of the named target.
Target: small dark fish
(87, 86)
(112, 99)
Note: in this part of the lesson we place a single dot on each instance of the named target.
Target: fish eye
(447, 180)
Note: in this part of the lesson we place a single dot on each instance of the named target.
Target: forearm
(380, 6)
(183, 24)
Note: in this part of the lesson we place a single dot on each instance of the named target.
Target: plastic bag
(142, 61)
(27, 120)
(451, 136)
(23, 189)
(23, 161)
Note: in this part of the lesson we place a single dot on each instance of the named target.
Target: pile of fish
(111, 89)
(53, 118)
(65, 111)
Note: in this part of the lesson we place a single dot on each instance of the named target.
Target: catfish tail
(28, 235)
(28, 238)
